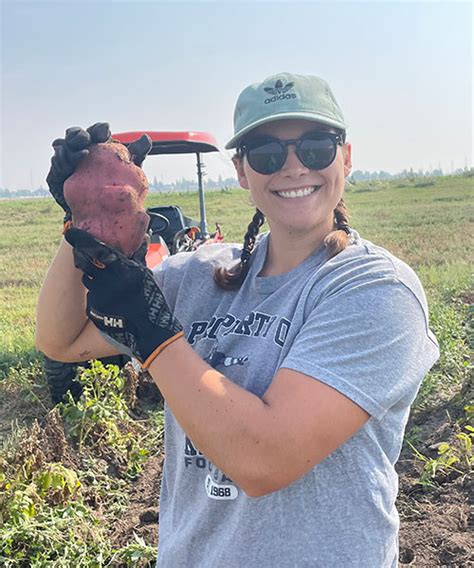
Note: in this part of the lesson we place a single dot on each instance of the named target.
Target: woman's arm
(63, 331)
(262, 444)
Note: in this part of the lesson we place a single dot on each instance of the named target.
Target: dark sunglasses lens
(266, 158)
(317, 153)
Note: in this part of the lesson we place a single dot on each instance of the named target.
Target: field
(79, 483)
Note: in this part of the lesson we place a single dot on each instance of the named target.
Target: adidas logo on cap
(280, 92)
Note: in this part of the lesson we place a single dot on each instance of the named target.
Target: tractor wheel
(60, 376)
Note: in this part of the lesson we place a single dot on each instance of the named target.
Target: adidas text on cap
(285, 96)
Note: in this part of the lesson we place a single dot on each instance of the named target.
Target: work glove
(68, 153)
(123, 300)
(70, 150)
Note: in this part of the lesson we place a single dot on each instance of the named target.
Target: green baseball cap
(285, 96)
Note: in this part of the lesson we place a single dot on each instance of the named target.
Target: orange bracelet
(159, 349)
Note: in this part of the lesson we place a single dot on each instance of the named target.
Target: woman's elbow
(41, 345)
(262, 487)
(55, 352)
(50, 351)
(261, 483)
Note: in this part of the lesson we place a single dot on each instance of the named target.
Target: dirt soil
(142, 514)
(436, 522)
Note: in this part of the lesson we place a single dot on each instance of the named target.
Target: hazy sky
(401, 71)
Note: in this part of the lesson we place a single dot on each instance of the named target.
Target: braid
(338, 239)
(232, 278)
(251, 234)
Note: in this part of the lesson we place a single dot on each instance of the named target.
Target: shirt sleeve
(159, 272)
(370, 341)
(168, 275)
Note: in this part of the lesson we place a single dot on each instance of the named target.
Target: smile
(300, 192)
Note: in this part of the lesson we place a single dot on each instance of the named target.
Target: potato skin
(106, 195)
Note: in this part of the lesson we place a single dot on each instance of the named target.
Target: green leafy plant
(453, 457)
(56, 483)
(136, 553)
(59, 513)
(100, 419)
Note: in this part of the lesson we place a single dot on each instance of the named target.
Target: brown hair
(338, 239)
(231, 278)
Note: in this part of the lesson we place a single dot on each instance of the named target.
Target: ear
(347, 153)
(239, 168)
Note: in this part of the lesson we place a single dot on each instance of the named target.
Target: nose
(293, 167)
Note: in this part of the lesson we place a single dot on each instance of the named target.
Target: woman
(288, 373)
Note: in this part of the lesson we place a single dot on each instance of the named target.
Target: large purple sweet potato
(106, 195)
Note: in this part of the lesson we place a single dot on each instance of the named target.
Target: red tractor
(170, 230)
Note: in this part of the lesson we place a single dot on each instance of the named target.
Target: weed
(136, 553)
(99, 419)
(425, 182)
(455, 457)
(448, 323)
(412, 436)
(47, 516)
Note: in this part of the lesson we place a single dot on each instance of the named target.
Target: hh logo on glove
(108, 321)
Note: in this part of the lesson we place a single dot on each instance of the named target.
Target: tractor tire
(60, 376)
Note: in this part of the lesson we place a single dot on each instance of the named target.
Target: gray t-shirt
(357, 322)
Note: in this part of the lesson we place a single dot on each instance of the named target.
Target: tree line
(184, 184)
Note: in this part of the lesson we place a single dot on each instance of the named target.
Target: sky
(401, 71)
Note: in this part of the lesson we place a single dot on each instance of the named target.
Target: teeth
(303, 192)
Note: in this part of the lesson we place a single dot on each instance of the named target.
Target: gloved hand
(124, 301)
(69, 151)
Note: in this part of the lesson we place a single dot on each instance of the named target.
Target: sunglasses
(315, 150)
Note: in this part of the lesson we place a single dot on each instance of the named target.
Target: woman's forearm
(61, 314)
(226, 422)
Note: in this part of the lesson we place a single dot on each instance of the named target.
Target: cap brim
(321, 119)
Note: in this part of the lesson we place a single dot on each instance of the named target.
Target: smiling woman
(294, 160)
(288, 373)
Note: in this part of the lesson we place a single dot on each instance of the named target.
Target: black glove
(124, 301)
(69, 151)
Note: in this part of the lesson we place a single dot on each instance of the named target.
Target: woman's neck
(287, 250)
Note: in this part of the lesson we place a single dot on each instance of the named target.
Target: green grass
(428, 227)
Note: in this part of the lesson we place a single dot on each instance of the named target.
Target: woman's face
(274, 194)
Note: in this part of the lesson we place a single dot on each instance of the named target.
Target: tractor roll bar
(179, 143)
